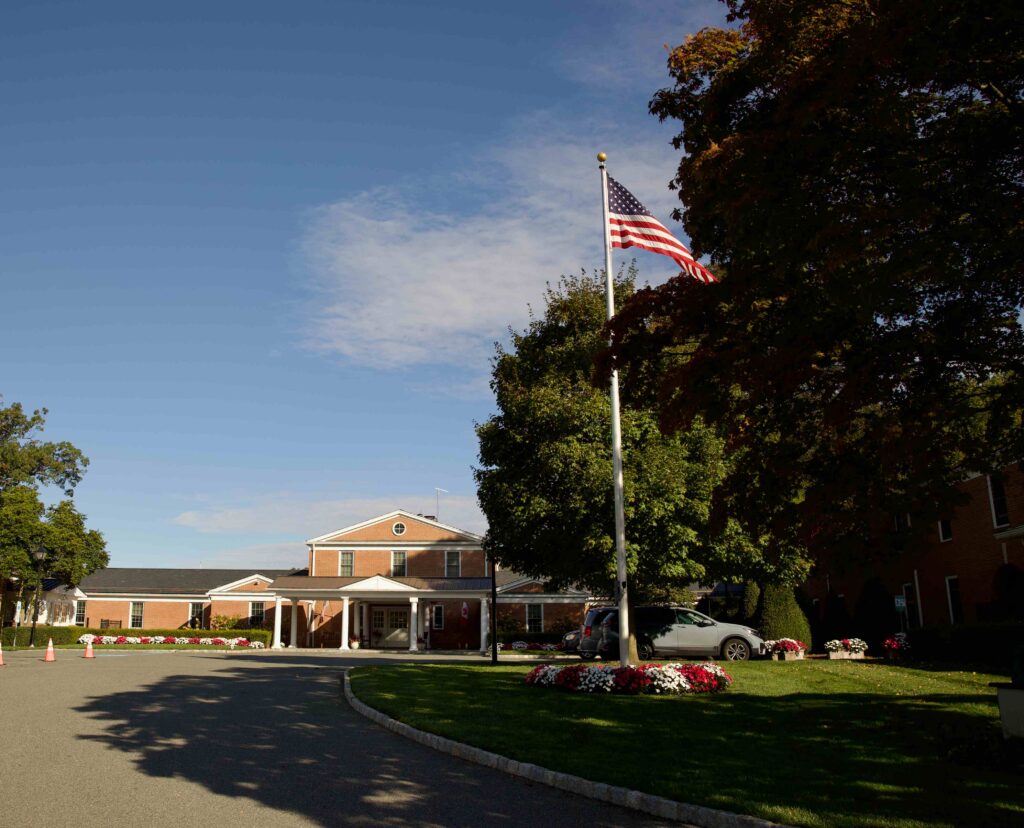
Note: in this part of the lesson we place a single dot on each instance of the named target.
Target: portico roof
(325, 586)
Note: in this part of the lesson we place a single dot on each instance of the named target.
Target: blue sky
(254, 256)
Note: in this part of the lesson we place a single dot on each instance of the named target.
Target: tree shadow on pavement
(279, 732)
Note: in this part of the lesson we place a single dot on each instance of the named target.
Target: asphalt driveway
(183, 739)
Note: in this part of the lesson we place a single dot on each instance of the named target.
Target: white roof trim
(394, 514)
(228, 587)
(377, 583)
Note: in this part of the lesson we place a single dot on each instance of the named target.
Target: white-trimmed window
(135, 616)
(997, 500)
(257, 612)
(345, 564)
(901, 522)
(398, 529)
(79, 613)
(196, 611)
(437, 616)
(945, 530)
(956, 607)
(535, 618)
(399, 564)
(452, 563)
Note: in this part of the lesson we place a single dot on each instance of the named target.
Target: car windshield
(688, 616)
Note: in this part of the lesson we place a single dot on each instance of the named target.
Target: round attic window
(398, 528)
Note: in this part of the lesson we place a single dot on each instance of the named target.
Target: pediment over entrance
(378, 583)
(398, 527)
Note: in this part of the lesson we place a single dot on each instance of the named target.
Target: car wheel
(735, 649)
(645, 650)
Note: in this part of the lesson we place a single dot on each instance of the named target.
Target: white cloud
(400, 283)
(288, 514)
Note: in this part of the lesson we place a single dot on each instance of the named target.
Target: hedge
(989, 645)
(69, 635)
(530, 638)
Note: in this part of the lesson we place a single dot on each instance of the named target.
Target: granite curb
(636, 800)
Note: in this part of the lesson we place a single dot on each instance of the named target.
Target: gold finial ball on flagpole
(602, 157)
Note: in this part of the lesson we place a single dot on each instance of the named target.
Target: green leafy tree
(545, 475)
(25, 459)
(854, 171)
(26, 524)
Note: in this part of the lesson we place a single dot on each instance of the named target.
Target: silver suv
(680, 631)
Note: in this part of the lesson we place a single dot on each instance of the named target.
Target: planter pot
(354, 645)
(1011, 709)
(797, 656)
(895, 656)
(839, 655)
(859, 655)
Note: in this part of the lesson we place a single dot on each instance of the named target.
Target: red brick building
(406, 581)
(129, 598)
(398, 581)
(966, 568)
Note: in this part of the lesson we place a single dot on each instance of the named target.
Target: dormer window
(398, 529)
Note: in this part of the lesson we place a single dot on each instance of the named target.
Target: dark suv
(590, 632)
(679, 631)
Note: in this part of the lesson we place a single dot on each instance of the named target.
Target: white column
(364, 610)
(344, 624)
(277, 623)
(484, 626)
(294, 642)
(414, 622)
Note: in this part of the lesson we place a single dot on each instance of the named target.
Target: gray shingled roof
(334, 582)
(169, 581)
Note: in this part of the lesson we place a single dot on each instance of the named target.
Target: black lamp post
(39, 556)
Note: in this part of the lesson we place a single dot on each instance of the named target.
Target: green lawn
(815, 742)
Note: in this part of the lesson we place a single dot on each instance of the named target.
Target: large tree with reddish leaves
(854, 172)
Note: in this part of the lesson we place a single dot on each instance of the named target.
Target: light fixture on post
(39, 556)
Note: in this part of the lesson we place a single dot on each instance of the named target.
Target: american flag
(633, 225)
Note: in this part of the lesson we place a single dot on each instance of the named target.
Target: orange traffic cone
(50, 656)
(88, 650)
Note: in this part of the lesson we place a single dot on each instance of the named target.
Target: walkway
(164, 739)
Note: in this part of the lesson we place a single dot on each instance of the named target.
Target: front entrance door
(389, 627)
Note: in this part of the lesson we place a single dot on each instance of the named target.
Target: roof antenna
(437, 502)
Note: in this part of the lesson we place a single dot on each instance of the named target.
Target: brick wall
(555, 616)
(973, 555)
(155, 614)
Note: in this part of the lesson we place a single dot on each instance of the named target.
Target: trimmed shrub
(69, 635)
(781, 616)
(60, 635)
(751, 603)
(986, 645)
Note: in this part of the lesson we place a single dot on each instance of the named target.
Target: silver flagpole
(620, 520)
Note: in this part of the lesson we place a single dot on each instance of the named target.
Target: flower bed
(839, 648)
(89, 638)
(657, 679)
(785, 649)
(896, 647)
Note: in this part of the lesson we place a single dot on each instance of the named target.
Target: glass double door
(389, 627)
